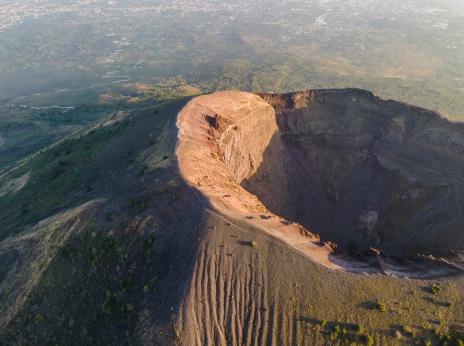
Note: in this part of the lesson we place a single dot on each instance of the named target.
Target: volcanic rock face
(345, 164)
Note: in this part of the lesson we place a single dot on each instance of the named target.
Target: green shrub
(435, 288)
(378, 305)
(359, 329)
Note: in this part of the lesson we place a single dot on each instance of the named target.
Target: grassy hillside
(88, 241)
(30, 123)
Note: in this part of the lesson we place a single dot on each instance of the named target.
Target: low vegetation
(435, 288)
(378, 305)
(55, 173)
(108, 281)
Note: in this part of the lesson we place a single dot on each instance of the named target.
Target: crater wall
(347, 166)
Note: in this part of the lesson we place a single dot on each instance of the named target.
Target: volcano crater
(346, 165)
